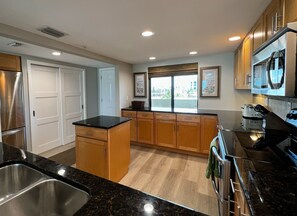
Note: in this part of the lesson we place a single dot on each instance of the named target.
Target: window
(174, 91)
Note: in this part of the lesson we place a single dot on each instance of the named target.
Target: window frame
(172, 75)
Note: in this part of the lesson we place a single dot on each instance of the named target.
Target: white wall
(125, 85)
(230, 99)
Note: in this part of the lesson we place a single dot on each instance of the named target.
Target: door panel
(72, 101)
(107, 92)
(44, 104)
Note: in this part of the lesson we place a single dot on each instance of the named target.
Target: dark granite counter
(106, 197)
(105, 122)
(267, 176)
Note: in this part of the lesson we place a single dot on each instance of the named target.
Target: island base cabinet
(91, 156)
(104, 152)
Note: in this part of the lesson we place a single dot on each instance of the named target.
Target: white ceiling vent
(52, 32)
(14, 44)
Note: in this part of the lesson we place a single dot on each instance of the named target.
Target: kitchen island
(103, 146)
(105, 197)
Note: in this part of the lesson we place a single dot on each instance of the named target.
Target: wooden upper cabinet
(258, 34)
(10, 62)
(208, 132)
(273, 18)
(243, 64)
(290, 10)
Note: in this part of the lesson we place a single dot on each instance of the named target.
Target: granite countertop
(106, 197)
(267, 177)
(105, 122)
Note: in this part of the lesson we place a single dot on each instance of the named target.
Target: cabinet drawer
(95, 133)
(165, 116)
(130, 114)
(146, 115)
(188, 118)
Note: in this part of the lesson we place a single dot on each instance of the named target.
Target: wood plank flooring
(171, 176)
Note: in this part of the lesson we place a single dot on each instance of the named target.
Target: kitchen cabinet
(165, 129)
(258, 34)
(132, 116)
(145, 127)
(10, 62)
(208, 132)
(91, 156)
(103, 152)
(188, 132)
(273, 18)
(243, 64)
(240, 200)
(290, 11)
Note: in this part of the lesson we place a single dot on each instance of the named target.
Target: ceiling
(113, 28)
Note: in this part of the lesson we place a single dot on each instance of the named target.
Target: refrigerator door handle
(11, 132)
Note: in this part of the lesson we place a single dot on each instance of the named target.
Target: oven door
(221, 184)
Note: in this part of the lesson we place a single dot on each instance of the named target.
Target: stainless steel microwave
(274, 64)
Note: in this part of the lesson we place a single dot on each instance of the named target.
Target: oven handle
(226, 175)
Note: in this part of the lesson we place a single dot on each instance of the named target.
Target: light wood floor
(175, 177)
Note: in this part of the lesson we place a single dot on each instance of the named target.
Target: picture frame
(210, 82)
(140, 84)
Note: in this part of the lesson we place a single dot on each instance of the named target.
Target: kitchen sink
(26, 191)
(16, 177)
(50, 197)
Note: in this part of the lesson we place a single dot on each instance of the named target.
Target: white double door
(56, 101)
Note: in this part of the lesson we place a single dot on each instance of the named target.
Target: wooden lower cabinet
(91, 156)
(145, 131)
(208, 132)
(188, 136)
(241, 206)
(103, 152)
(165, 133)
(133, 124)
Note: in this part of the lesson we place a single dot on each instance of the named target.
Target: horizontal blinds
(179, 69)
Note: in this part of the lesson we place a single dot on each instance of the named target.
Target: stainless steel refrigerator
(12, 109)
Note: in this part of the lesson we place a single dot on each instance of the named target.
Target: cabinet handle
(248, 79)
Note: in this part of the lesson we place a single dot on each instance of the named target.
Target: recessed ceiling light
(147, 33)
(235, 38)
(152, 58)
(56, 53)
(193, 52)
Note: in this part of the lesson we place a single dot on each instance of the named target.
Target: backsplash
(279, 105)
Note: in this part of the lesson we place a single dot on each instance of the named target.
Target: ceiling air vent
(52, 32)
(14, 44)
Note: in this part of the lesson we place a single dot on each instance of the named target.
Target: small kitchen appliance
(248, 111)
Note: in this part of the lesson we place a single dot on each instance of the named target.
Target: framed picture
(210, 81)
(140, 84)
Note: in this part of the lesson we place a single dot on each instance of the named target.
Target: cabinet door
(258, 34)
(91, 156)
(165, 133)
(145, 131)
(273, 18)
(10, 62)
(208, 132)
(132, 115)
(247, 62)
(238, 69)
(188, 136)
(290, 11)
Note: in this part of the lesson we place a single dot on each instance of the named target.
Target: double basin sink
(26, 191)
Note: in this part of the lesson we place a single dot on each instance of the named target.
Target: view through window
(178, 92)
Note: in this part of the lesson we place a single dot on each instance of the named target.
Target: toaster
(249, 112)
